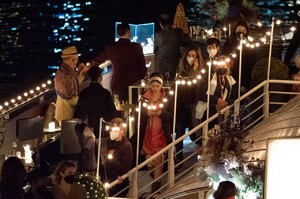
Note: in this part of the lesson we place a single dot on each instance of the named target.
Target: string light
(293, 29)
(259, 24)
(115, 128)
(14, 103)
(109, 156)
(94, 188)
(278, 22)
(249, 42)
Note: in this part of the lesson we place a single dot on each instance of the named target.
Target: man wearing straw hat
(67, 80)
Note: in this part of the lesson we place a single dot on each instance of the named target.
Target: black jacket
(95, 102)
(167, 45)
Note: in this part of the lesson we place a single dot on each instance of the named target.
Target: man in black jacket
(167, 43)
(95, 102)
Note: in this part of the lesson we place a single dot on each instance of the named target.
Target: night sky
(27, 51)
(27, 40)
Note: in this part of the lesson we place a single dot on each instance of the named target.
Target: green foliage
(230, 10)
(223, 158)
(94, 188)
(278, 70)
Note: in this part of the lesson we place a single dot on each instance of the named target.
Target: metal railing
(256, 103)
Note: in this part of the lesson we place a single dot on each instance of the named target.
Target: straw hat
(69, 51)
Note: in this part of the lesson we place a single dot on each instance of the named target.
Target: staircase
(176, 183)
(187, 183)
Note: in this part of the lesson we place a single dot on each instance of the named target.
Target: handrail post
(237, 109)
(171, 169)
(267, 85)
(135, 184)
(266, 100)
(135, 187)
(171, 173)
(204, 134)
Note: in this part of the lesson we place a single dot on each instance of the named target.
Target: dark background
(27, 40)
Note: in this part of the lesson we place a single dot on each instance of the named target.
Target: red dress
(154, 139)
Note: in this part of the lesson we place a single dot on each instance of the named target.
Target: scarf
(66, 82)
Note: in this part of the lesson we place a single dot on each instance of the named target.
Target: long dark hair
(13, 173)
(184, 68)
(226, 189)
(232, 42)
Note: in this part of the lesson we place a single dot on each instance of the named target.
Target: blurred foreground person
(226, 190)
(12, 182)
(38, 178)
(64, 186)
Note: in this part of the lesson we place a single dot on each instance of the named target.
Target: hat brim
(70, 55)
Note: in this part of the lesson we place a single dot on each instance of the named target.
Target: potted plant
(278, 70)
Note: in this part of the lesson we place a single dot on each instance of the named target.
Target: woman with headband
(155, 127)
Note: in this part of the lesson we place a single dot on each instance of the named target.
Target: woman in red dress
(156, 135)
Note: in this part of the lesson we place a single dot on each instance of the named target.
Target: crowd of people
(95, 102)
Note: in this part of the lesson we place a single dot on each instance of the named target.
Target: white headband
(156, 79)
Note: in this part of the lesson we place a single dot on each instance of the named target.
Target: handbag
(200, 109)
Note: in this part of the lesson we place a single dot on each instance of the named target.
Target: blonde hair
(297, 61)
(61, 167)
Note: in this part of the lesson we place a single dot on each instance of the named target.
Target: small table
(55, 130)
(48, 133)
